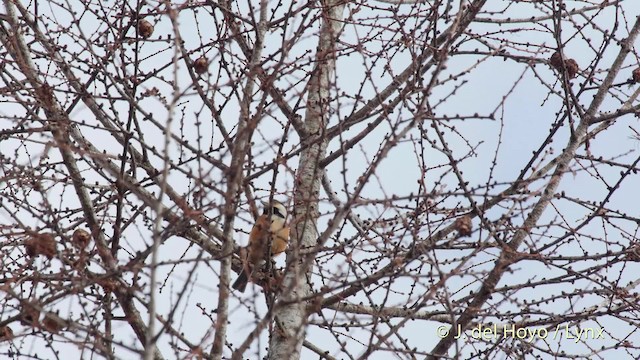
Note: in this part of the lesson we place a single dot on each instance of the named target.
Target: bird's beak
(264, 204)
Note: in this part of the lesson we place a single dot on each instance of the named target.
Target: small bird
(269, 237)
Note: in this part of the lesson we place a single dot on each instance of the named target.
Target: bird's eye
(277, 212)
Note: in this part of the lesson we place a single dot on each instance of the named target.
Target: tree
(459, 177)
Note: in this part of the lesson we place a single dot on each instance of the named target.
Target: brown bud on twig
(41, 244)
(633, 253)
(81, 238)
(109, 285)
(463, 225)
(145, 29)
(201, 65)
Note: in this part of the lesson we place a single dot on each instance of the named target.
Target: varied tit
(269, 237)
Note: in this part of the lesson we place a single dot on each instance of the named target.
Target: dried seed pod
(29, 315)
(145, 29)
(201, 65)
(53, 323)
(41, 244)
(31, 246)
(572, 68)
(81, 238)
(635, 75)
(556, 60)
(48, 248)
(463, 225)
(6, 333)
(568, 65)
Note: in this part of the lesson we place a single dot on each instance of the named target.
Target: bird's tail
(241, 282)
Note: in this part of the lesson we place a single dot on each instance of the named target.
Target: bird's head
(276, 209)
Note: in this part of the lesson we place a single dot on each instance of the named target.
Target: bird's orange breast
(280, 240)
(264, 232)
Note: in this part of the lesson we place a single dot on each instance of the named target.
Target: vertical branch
(157, 224)
(286, 341)
(234, 180)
